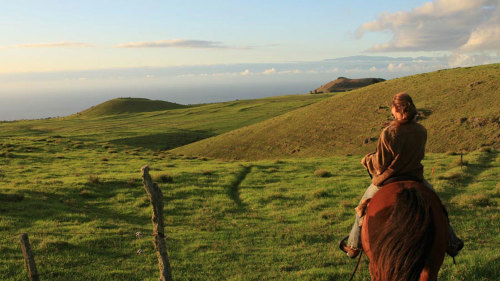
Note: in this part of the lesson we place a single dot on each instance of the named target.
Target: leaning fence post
(29, 258)
(156, 198)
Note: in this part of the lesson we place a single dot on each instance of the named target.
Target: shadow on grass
(468, 176)
(233, 188)
(164, 141)
(78, 205)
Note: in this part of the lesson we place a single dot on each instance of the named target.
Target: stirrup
(351, 252)
(342, 244)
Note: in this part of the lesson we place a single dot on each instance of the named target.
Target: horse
(405, 233)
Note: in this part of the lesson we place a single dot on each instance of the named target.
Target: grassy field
(261, 220)
(74, 185)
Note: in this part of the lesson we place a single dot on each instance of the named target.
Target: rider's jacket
(400, 149)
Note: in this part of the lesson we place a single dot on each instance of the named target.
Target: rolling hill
(129, 105)
(460, 109)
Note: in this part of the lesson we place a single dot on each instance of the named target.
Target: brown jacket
(400, 149)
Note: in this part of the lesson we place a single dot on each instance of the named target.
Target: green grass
(73, 184)
(459, 109)
(261, 220)
(158, 130)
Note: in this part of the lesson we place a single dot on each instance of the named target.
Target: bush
(322, 173)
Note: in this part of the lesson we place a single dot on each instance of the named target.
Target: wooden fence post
(156, 198)
(29, 258)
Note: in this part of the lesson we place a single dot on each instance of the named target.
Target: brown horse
(405, 233)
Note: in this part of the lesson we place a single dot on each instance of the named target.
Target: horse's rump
(405, 232)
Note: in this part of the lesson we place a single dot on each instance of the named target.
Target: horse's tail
(406, 239)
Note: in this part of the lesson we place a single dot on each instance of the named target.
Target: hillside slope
(460, 108)
(129, 105)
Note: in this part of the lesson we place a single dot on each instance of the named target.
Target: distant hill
(129, 105)
(343, 84)
(459, 107)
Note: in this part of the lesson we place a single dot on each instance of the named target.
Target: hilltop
(129, 105)
(459, 108)
(343, 84)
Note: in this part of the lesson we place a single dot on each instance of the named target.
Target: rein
(357, 265)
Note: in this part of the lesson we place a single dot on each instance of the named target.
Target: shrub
(322, 173)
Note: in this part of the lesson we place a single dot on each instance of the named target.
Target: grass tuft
(93, 180)
(320, 193)
(322, 173)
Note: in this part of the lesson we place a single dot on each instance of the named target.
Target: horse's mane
(405, 240)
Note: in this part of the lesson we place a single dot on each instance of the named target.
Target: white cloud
(395, 67)
(459, 58)
(175, 43)
(244, 73)
(269, 71)
(442, 25)
(48, 45)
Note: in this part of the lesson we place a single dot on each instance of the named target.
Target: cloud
(244, 73)
(269, 71)
(175, 43)
(395, 67)
(442, 25)
(48, 45)
(459, 58)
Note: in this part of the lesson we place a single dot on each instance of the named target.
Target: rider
(400, 149)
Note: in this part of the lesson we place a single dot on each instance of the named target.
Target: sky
(59, 57)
